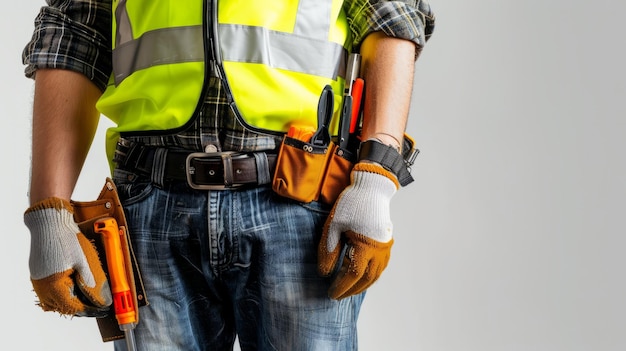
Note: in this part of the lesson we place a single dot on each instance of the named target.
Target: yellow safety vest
(274, 57)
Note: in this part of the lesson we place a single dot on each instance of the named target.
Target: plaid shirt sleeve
(73, 35)
(407, 19)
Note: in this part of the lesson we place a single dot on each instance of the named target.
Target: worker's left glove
(360, 220)
(65, 270)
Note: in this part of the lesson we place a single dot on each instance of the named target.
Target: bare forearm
(64, 123)
(388, 68)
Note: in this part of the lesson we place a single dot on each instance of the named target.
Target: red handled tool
(357, 96)
(355, 122)
(123, 300)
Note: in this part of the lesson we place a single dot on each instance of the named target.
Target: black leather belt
(218, 170)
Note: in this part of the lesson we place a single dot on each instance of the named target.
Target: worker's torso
(267, 72)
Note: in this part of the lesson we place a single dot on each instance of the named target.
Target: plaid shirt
(76, 35)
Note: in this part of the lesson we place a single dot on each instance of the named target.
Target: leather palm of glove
(65, 270)
(360, 220)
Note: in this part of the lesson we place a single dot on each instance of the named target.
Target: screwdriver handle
(123, 301)
(357, 96)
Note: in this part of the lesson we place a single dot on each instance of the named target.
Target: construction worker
(201, 94)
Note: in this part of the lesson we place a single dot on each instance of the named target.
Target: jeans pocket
(131, 188)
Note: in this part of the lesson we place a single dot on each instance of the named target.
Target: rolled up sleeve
(73, 35)
(410, 19)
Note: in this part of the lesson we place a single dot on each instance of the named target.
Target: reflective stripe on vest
(239, 44)
(277, 57)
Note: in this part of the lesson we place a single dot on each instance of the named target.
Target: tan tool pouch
(306, 172)
(337, 174)
(86, 214)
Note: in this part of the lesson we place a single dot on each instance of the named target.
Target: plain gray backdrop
(512, 235)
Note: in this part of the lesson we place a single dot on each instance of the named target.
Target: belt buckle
(226, 157)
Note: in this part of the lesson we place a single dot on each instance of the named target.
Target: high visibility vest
(275, 58)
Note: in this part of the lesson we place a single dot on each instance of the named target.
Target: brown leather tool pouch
(337, 176)
(85, 215)
(300, 169)
(307, 172)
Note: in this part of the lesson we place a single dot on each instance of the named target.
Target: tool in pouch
(358, 88)
(89, 216)
(123, 301)
(325, 109)
(318, 169)
(343, 155)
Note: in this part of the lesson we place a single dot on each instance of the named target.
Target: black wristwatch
(389, 157)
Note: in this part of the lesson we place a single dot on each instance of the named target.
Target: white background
(512, 235)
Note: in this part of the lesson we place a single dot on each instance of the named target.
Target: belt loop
(262, 168)
(227, 160)
(158, 167)
(123, 150)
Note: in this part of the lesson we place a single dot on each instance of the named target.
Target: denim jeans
(224, 263)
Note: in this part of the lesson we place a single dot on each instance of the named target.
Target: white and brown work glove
(65, 270)
(361, 220)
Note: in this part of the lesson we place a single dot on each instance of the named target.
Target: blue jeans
(217, 264)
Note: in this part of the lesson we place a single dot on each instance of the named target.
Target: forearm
(64, 123)
(388, 68)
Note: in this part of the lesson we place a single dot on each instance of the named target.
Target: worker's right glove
(65, 270)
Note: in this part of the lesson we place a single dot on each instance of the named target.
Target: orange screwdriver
(123, 301)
